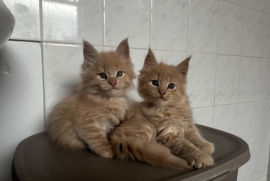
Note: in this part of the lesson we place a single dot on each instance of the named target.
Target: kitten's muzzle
(112, 81)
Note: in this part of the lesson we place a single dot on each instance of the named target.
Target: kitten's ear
(90, 54)
(150, 61)
(183, 66)
(123, 49)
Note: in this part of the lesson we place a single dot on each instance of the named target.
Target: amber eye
(103, 76)
(154, 82)
(119, 74)
(171, 86)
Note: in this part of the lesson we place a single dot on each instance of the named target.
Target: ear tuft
(90, 54)
(183, 66)
(123, 49)
(150, 61)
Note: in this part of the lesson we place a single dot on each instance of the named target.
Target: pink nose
(112, 83)
(162, 93)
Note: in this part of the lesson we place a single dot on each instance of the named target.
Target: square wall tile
(225, 118)
(240, 2)
(249, 89)
(169, 24)
(254, 4)
(201, 80)
(127, 18)
(21, 95)
(70, 21)
(266, 36)
(262, 121)
(203, 17)
(171, 58)
(230, 28)
(265, 79)
(261, 155)
(245, 172)
(61, 72)
(27, 19)
(203, 116)
(246, 121)
(252, 33)
(227, 79)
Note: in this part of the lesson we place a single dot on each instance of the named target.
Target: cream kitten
(160, 129)
(84, 119)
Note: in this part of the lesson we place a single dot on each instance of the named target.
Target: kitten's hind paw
(207, 147)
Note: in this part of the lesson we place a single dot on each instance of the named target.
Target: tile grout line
(43, 82)
(240, 64)
(241, 5)
(220, 105)
(187, 50)
(42, 60)
(216, 61)
(103, 24)
(138, 48)
(41, 20)
(238, 89)
(151, 21)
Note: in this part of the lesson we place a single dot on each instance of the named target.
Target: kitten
(160, 129)
(84, 120)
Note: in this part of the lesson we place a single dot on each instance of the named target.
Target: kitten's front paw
(207, 147)
(200, 160)
(106, 152)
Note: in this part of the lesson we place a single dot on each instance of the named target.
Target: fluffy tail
(151, 153)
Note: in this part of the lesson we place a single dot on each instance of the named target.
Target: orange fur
(160, 129)
(84, 120)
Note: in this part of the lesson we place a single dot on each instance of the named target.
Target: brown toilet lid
(36, 159)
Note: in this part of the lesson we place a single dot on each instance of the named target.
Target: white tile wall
(26, 13)
(263, 121)
(230, 28)
(169, 24)
(267, 6)
(203, 17)
(249, 79)
(255, 4)
(266, 36)
(204, 116)
(252, 33)
(264, 79)
(127, 18)
(240, 2)
(261, 155)
(228, 79)
(246, 115)
(225, 118)
(201, 80)
(70, 21)
(61, 72)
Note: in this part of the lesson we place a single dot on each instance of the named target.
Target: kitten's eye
(119, 74)
(171, 86)
(154, 82)
(103, 76)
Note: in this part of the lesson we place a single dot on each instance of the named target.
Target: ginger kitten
(84, 119)
(160, 129)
